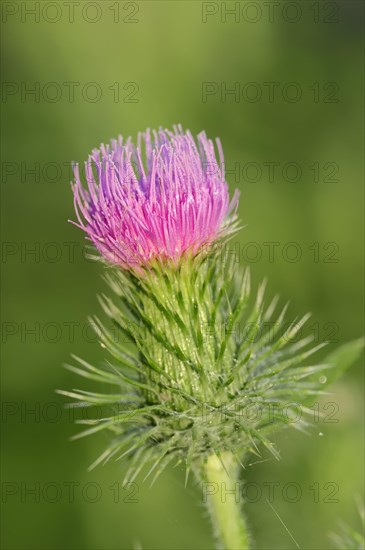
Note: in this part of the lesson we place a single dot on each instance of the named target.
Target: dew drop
(321, 434)
(322, 379)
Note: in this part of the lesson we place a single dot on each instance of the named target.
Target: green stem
(223, 496)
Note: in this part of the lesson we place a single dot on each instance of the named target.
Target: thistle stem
(223, 497)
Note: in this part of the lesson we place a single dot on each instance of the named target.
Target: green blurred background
(160, 54)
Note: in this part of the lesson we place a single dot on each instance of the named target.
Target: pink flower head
(137, 206)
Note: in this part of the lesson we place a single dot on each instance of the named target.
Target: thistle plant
(159, 216)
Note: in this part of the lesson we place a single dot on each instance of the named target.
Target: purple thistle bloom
(174, 203)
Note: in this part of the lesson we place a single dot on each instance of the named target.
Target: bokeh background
(149, 63)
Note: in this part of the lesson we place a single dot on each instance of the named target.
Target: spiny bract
(191, 386)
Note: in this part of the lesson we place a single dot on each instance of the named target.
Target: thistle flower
(184, 393)
(169, 203)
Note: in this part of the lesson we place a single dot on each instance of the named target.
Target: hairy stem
(223, 496)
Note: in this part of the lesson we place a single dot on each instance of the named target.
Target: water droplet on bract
(321, 434)
(322, 379)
